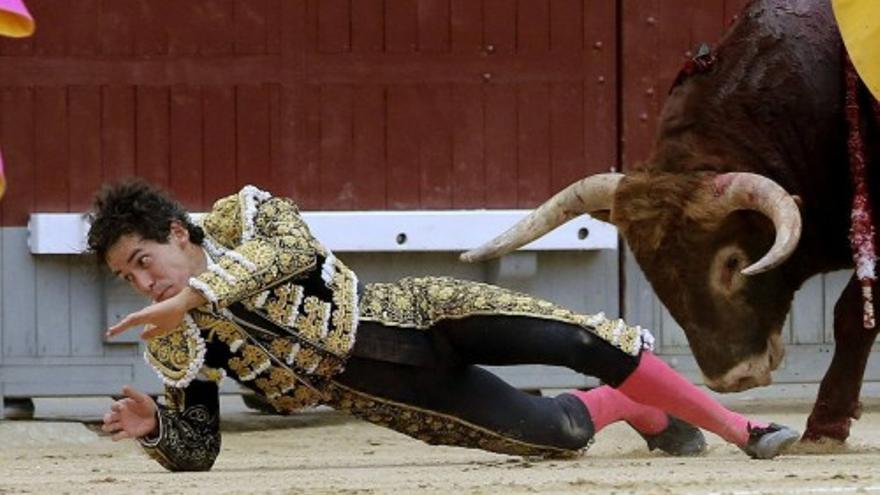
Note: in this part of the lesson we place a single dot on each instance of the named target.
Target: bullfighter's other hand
(160, 317)
(131, 417)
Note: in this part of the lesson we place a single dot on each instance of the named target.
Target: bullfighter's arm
(188, 436)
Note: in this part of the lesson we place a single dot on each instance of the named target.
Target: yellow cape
(859, 22)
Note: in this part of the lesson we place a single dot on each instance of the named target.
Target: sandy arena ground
(323, 452)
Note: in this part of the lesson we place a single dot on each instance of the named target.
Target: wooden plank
(252, 136)
(308, 192)
(218, 18)
(52, 301)
(468, 147)
(533, 135)
(186, 159)
(361, 68)
(83, 144)
(708, 23)
(368, 148)
(83, 33)
(567, 25)
(51, 191)
(152, 138)
(19, 295)
(335, 21)
(501, 146)
(402, 142)
(50, 37)
(16, 47)
(533, 26)
(185, 23)
(218, 105)
(567, 160)
(120, 351)
(251, 18)
(367, 26)
(17, 126)
(639, 81)
(162, 71)
(600, 83)
(117, 25)
(732, 8)
(336, 180)
(118, 132)
(434, 26)
(290, 168)
(273, 26)
(435, 147)
(401, 26)
(292, 174)
(466, 20)
(151, 33)
(674, 47)
(499, 29)
(276, 138)
(87, 324)
(87, 379)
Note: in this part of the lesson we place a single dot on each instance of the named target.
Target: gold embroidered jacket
(281, 319)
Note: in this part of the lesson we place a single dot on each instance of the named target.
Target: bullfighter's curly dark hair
(135, 207)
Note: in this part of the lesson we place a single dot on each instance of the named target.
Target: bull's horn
(589, 194)
(746, 191)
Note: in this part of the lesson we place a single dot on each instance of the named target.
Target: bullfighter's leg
(838, 401)
(504, 340)
(462, 405)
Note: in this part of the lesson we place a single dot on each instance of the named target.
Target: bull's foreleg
(838, 401)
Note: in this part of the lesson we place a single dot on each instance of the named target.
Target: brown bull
(746, 194)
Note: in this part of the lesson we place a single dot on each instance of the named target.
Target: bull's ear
(798, 201)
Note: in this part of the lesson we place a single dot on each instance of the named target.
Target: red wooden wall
(342, 104)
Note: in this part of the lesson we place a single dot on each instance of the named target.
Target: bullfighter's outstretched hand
(131, 417)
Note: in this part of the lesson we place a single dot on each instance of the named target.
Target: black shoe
(767, 443)
(679, 438)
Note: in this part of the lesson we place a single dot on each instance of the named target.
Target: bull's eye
(724, 274)
(732, 263)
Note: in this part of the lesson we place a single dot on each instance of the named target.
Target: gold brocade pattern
(281, 217)
(344, 319)
(251, 362)
(215, 375)
(296, 399)
(308, 360)
(173, 355)
(422, 302)
(312, 323)
(281, 254)
(222, 330)
(282, 303)
(278, 382)
(223, 223)
(432, 427)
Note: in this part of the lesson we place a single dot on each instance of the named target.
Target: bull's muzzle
(755, 371)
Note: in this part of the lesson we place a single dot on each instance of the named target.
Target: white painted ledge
(371, 231)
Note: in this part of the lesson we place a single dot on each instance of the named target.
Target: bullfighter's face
(158, 270)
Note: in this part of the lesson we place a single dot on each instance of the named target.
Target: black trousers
(437, 371)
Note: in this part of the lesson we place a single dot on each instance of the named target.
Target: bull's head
(706, 243)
